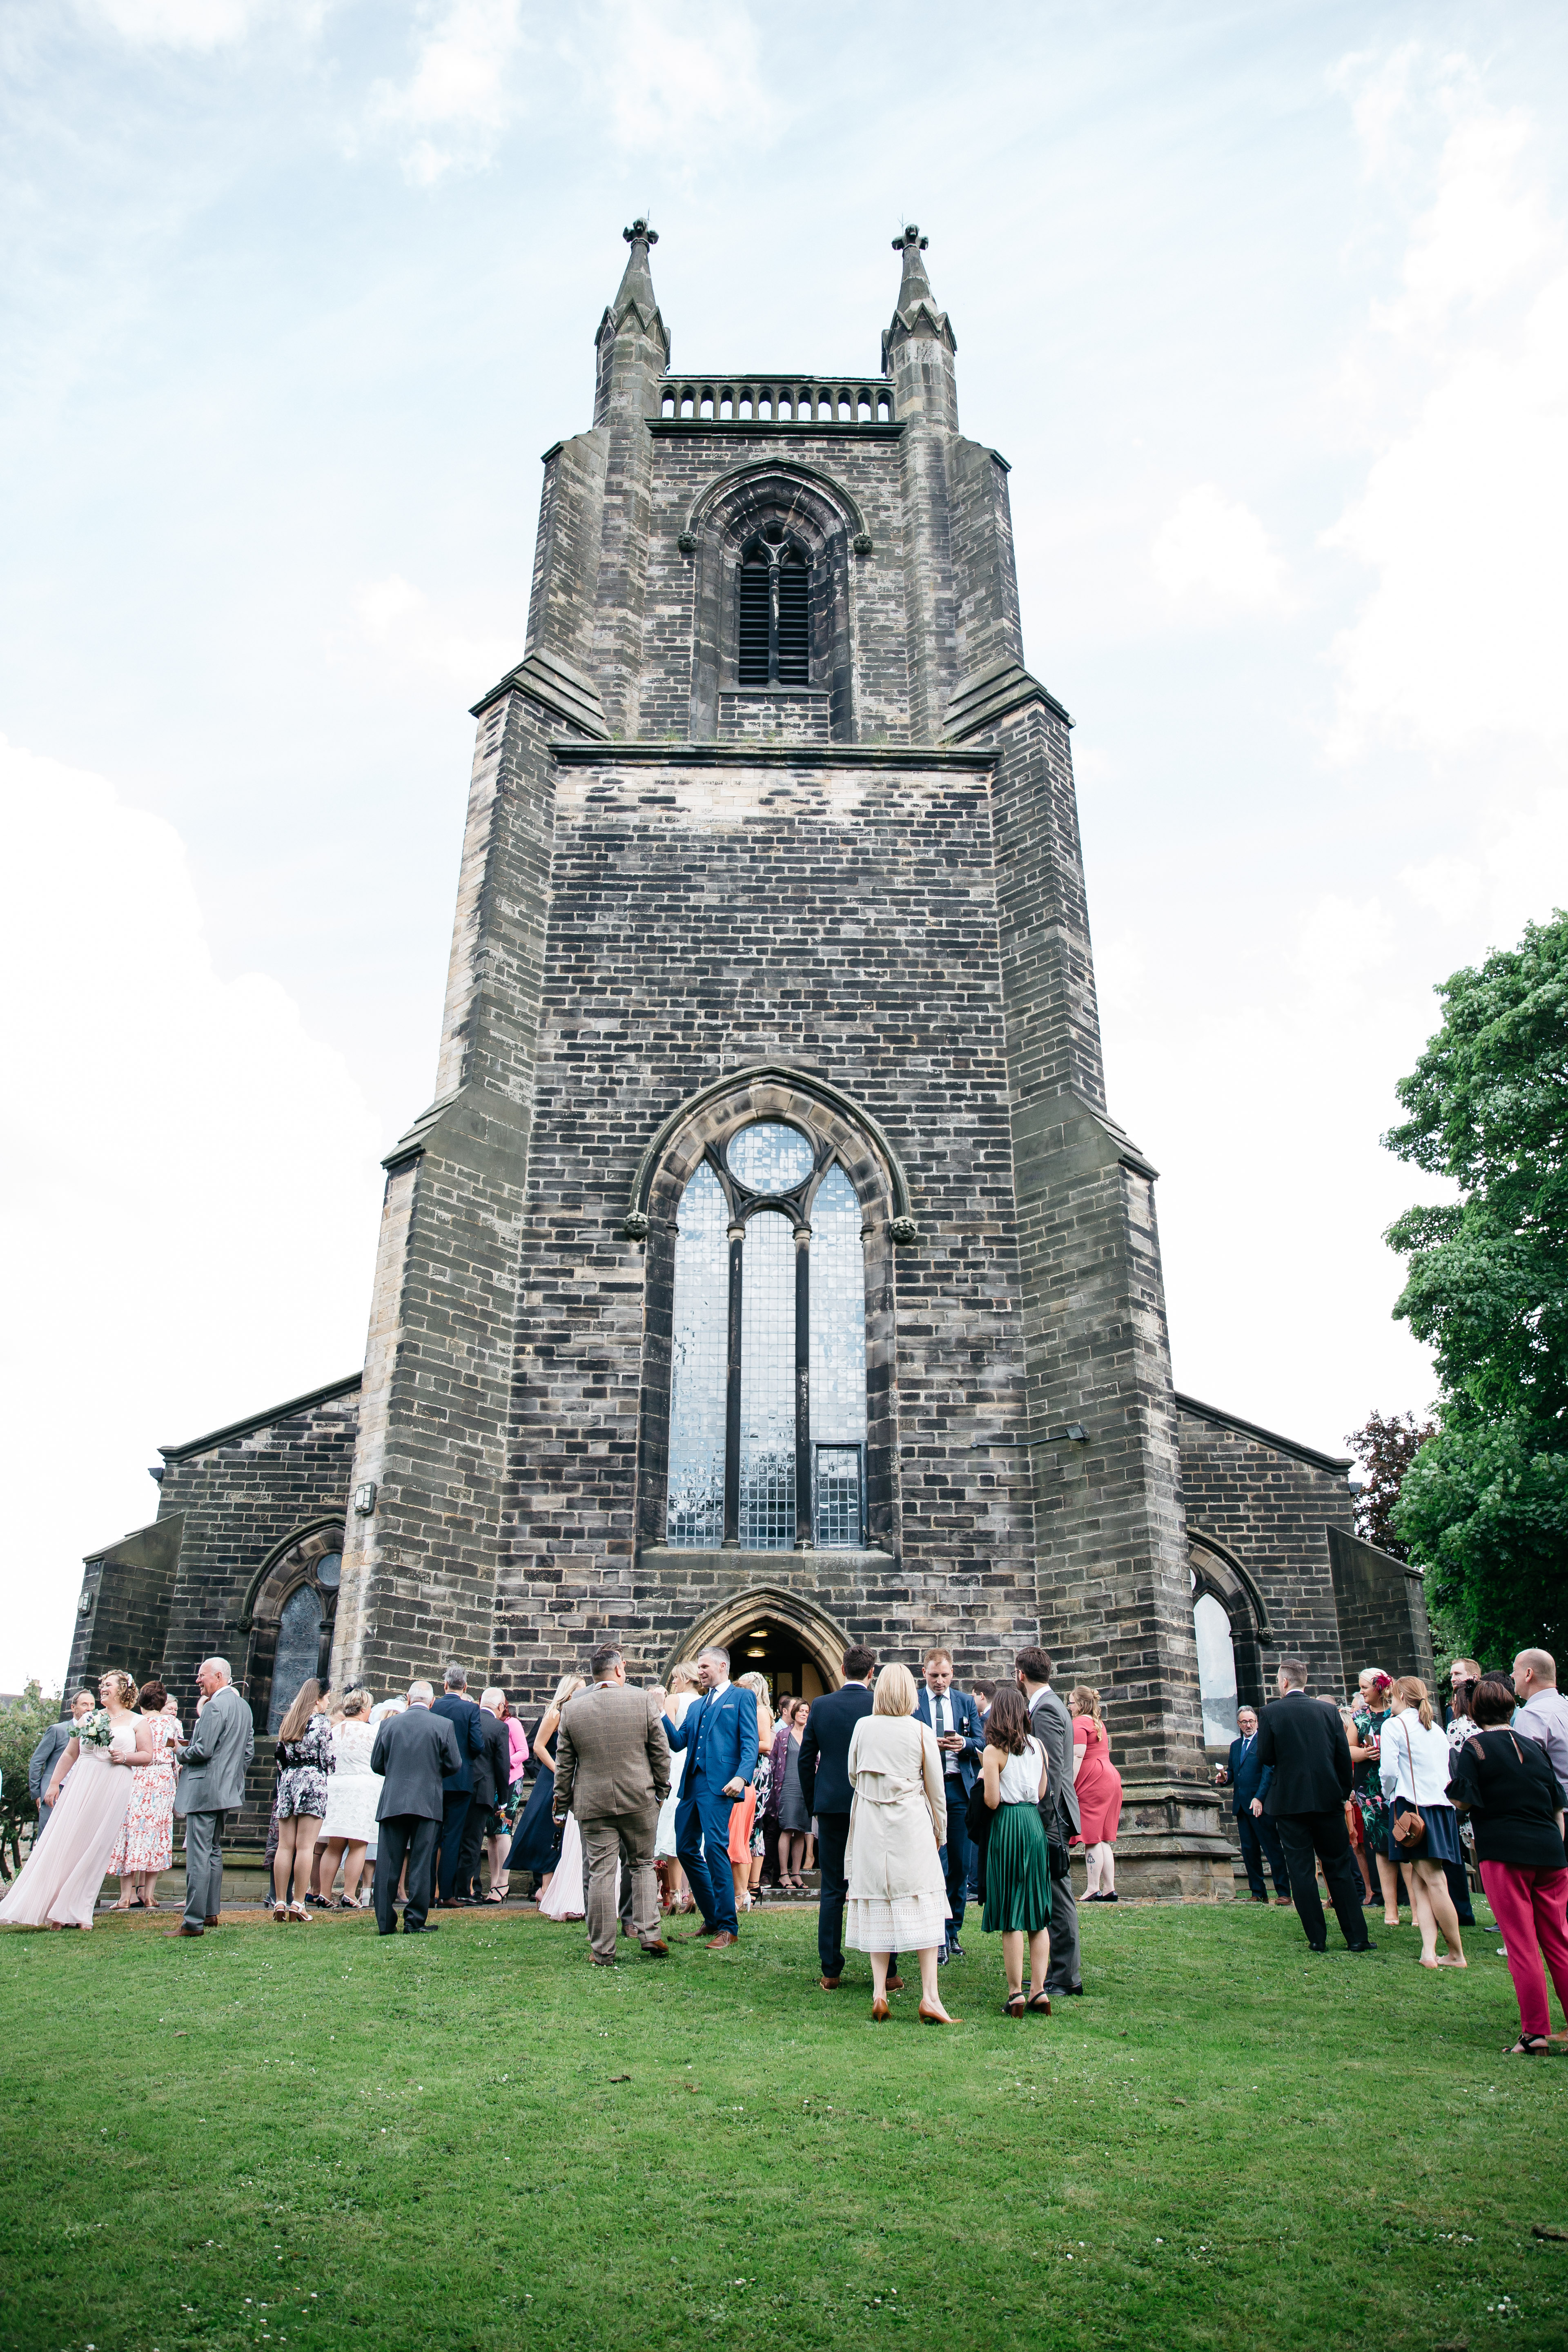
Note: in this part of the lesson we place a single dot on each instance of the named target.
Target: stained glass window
(1216, 1669)
(837, 1314)
(697, 1394)
(767, 1382)
(298, 1652)
(771, 1158)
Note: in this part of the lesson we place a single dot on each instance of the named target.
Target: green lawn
(325, 2139)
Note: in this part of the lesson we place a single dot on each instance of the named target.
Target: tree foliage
(1484, 1507)
(22, 1725)
(1385, 1449)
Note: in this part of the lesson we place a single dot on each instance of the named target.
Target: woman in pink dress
(58, 1886)
(1098, 1786)
(145, 1846)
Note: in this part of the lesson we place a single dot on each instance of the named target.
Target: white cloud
(1212, 556)
(697, 71)
(395, 613)
(460, 98)
(1465, 510)
(185, 24)
(190, 1183)
(1516, 873)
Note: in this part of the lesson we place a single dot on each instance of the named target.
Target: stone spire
(633, 342)
(918, 348)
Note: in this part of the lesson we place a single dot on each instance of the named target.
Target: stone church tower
(770, 1071)
(768, 1267)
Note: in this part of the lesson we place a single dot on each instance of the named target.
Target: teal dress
(1017, 1858)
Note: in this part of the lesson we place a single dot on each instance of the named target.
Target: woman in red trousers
(1511, 1793)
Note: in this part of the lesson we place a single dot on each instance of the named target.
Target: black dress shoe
(1368, 1946)
(429, 1928)
(1074, 1992)
(954, 1948)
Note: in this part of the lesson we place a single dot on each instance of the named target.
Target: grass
(326, 2140)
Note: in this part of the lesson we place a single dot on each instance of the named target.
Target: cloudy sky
(1268, 307)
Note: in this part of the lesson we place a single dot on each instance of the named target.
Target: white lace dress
(664, 1834)
(353, 1791)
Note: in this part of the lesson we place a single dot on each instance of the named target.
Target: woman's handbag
(1410, 1827)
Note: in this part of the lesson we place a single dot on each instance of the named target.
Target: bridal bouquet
(96, 1730)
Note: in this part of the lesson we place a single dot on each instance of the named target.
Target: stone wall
(1381, 1602)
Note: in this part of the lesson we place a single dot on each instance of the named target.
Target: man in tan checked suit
(612, 1770)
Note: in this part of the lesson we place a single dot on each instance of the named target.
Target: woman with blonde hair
(305, 1759)
(57, 1884)
(537, 1846)
(1098, 1786)
(674, 1895)
(898, 1825)
(1412, 1764)
(349, 1823)
(746, 1847)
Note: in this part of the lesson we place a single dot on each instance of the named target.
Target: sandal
(1528, 2045)
(281, 1914)
(296, 1912)
(494, 1898)
(1015, 2005)
(1039, 2002)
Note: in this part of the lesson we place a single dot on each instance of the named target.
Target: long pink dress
(1099, 1783)
(59, 1881)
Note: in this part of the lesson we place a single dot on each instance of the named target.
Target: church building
(768, 1267)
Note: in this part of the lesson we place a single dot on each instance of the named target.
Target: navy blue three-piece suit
(720, 1736)
(1249, 1778)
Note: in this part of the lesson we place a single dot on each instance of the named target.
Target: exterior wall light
(364, 1499)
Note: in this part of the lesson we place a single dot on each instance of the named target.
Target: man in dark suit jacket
(492, 1779)
(467, 1723)
(1246, 1776)
(1305, 1742)
(825, 1786)
(1052, 1726)
(955, 1718)
(417, 1754)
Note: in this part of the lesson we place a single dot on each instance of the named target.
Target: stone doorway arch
(798, 1644)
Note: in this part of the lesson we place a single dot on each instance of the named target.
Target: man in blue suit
(720, 1736)
(955, 1719)
(468, 1729)
(1248, 1776)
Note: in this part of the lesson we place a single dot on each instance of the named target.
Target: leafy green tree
(1484, 1507)
(22, 1725)
(1385, 1449)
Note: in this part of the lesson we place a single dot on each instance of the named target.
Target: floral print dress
(146, 1840)
(303, 1765)
(1366, 1790)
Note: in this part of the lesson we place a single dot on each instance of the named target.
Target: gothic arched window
(298, 1650)
(768, 1431)
(1216, 1669)
(773, 644)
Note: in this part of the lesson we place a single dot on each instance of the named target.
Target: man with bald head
(211, 1786)
(1542, 1712)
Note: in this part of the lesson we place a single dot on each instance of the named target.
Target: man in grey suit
(1051, 1724)
(47, 1753)
(211, 1786)
(612, 1770)
(416, 1754)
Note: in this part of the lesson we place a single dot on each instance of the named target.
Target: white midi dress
(898, 1896)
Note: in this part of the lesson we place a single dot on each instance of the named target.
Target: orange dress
(1099, 1783)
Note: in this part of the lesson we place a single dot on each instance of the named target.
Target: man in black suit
(1052, 1726)
(1246, 1776)
(493, 1777)
(417, 1753)
(466, 1724)
(1305, 1742)
(824, 1785)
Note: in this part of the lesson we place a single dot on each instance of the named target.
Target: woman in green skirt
(1017, 1861)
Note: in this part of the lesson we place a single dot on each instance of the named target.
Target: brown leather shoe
(659, 1951)
(598, 1963)
(696, 1935)
(184, 1931)
(895, 1984)
(829, 1984)
(722, 1942)
(213, 1919)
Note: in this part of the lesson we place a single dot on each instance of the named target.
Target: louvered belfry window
(774, 632)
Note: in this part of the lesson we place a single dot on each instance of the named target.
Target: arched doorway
(772, 1632)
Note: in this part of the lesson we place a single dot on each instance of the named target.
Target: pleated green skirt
(1018, 1873)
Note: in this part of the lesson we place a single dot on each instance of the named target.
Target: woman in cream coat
(898, 1897)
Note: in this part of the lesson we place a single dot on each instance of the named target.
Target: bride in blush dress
(59, 1883)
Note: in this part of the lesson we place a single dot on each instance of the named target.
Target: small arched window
(774, 647)
(767, 1440)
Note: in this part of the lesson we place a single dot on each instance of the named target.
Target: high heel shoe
(880, 2012)
(935, 2017)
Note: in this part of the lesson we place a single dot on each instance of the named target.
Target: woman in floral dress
(145, 1846)
(305, 1756)
(1366, 1789)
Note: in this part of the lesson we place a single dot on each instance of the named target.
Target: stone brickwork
(857, 906)
(1380, 1605)
(122, 1612)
